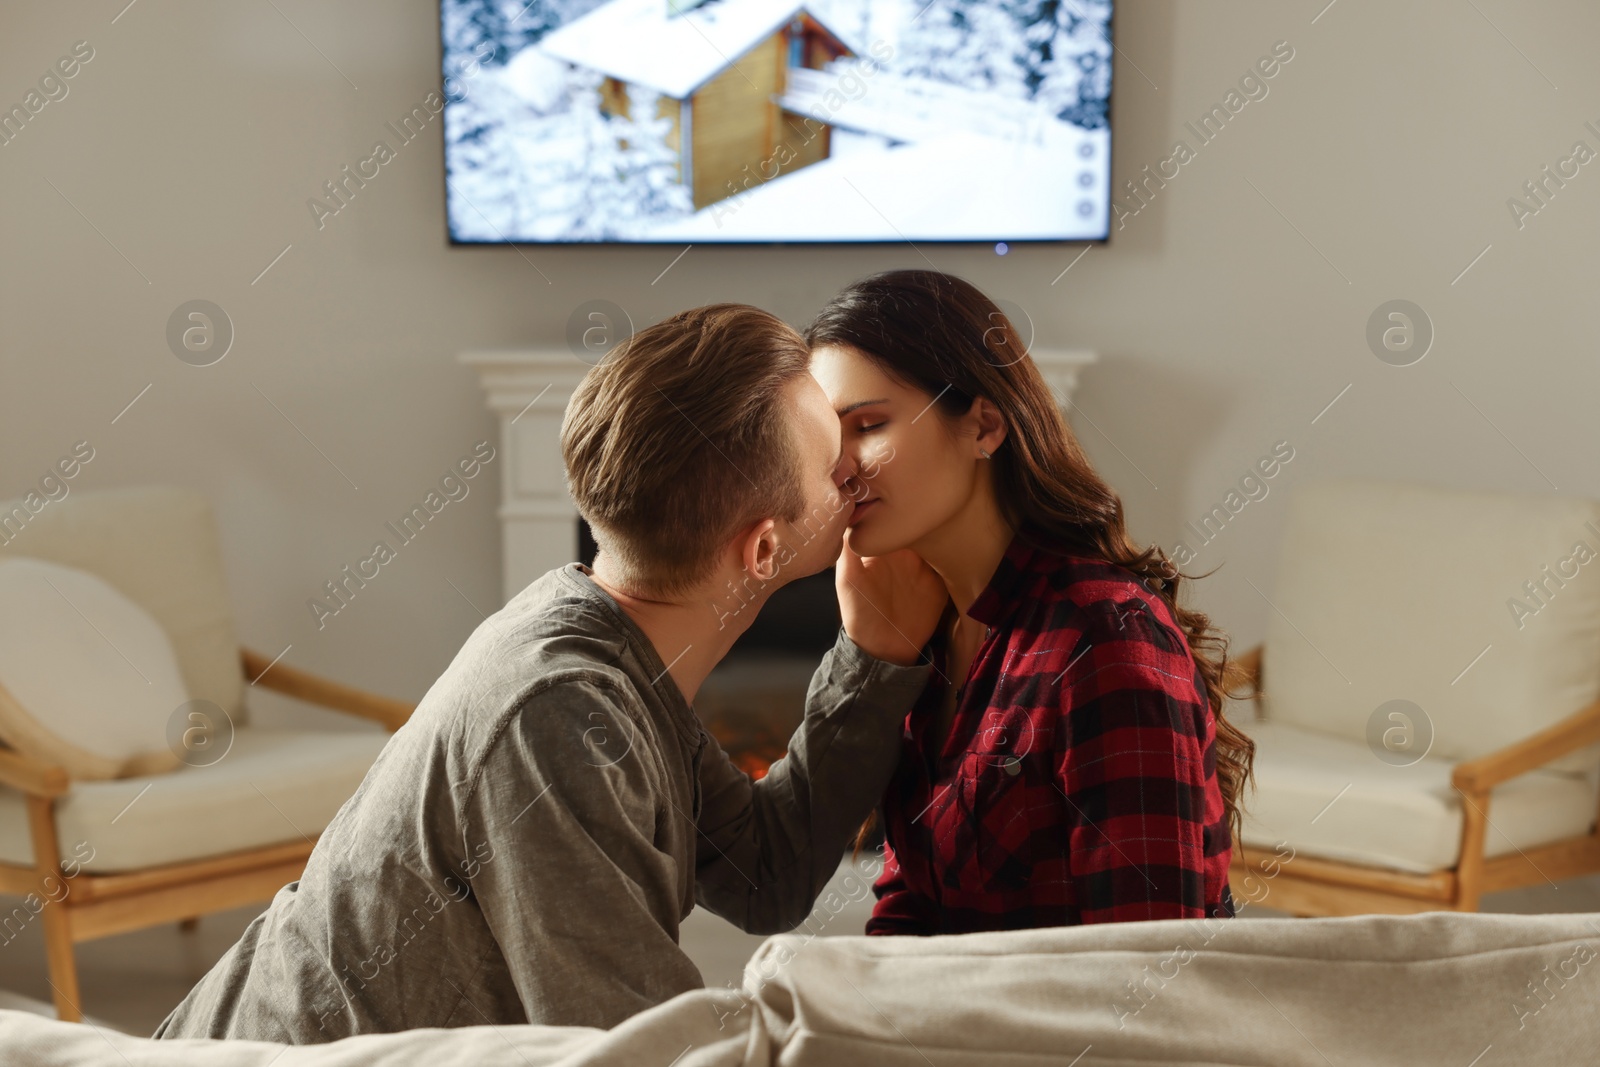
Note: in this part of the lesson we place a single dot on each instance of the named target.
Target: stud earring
(983, 452)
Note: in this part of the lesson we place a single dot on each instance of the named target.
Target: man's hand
(890, 604)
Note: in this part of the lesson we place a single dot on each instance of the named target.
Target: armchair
(1473, 608)
(95, 858)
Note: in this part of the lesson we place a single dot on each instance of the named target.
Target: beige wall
(1229, 312)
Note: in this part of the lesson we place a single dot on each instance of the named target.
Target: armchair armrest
(303, 685)
(32, 777)
(1480, 775)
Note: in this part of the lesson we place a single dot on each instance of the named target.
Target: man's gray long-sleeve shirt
(525, 847)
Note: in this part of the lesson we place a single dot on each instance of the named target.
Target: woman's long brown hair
(940, 334)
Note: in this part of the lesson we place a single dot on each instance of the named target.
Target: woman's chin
(861, 546)
(868, 543)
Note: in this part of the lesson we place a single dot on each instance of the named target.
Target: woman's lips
(862, 508)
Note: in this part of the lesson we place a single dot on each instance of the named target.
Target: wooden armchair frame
(1309, 886)
(85, 906)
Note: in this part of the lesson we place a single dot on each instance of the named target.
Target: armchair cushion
(272, 786)
(1394, 590)
(88, 680)
(1402, 818)
(158, 546)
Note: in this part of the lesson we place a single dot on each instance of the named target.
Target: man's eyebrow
(848, 408)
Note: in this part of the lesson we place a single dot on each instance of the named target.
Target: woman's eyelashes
(869, 427)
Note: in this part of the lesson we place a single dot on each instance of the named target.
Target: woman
(1069, 761)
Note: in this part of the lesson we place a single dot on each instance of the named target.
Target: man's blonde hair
(678, 438)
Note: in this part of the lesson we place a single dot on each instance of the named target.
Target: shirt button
(1013, 766)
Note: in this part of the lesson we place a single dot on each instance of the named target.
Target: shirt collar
(1012, 579)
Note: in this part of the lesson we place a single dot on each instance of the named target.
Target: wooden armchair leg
(63, 967)
(52, 893)
(1474, 834)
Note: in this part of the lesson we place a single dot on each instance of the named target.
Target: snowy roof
(907, 108)
(636, 42)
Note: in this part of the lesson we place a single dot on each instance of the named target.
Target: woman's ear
(990, 426)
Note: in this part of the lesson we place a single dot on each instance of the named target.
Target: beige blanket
(1444, 988)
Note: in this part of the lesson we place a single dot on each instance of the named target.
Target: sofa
(1432, 988)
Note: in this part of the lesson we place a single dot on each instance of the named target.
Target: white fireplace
(528, 388)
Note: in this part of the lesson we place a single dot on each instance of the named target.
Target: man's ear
(758, 550)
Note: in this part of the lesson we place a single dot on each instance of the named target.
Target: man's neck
(691, 634)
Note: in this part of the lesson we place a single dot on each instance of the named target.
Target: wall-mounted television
(793, 121)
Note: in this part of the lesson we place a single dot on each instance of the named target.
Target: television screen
(674, 121)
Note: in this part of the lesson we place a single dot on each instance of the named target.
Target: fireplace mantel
(528, 388)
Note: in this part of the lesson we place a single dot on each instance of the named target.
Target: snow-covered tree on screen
(488, 190)
(975, 44)
(569, 172)
(487, 186)
(626, 175)
(532, 155)
(510, 25)
(1066, 59)
(1056, 52)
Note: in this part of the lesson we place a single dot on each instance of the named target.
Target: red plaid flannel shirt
(1078, 781)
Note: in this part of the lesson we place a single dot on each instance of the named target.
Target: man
(524, 849)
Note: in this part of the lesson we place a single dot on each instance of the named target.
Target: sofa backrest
(1482, 608)
(158, 546)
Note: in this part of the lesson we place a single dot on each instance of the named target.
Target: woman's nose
(846, 472)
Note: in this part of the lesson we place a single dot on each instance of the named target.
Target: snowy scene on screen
(776, 120)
